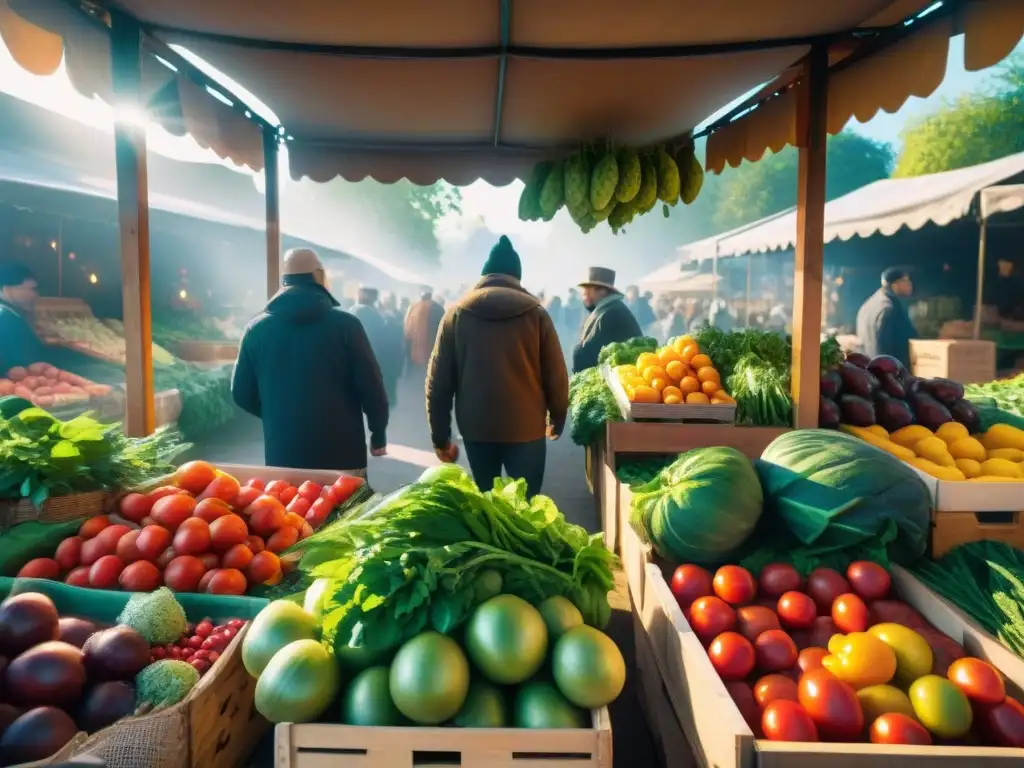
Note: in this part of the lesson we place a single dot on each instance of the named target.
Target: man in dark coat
(610, 319)
(884, 326)
(381, 341)
(306, 368)
(497, 356)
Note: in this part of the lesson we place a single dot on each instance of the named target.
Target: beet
(945, 391)
(930, 412)
(892, 413)
(965, 412)
(856, 411)
(36, 735)
(26, 620)
(829, 415)
(857, 359)
(105, 704)
(118, 653)
(75, 631)
(856, 381)
(892, 386)
(8, 714)
(831, 383)
(50, 674)
(886, 364)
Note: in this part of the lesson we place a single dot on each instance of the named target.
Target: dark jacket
(382, 341)
(641, 309)
(610, 321)
(884, 326)
(497, 355)
(306, 368)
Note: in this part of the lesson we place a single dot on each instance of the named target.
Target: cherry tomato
(810, 658)
(710, 617)
(223, 487)
(192, 537)
(210, 560)
(238, 557)
(284, 537)
(165, 490)
(822, 630)
(824, 585)
(945, 650)
(300, 505)
(797, 610)
(172, 511)
(255, 543)
(165, 557)
(246, 496)
(897, 728)
(294, 520)
(319, 511)
(40, 568)
(194, 476)
(226, 532)
(775, 651)
(93, 550)
(870, 581)
(776, 579)
(289, 494)
(210, 509)
(1003, 723)
(310, 491)
(69, 553)
(226, 581)
(734, 584)
(688, 583)
(744, 700)
(142, 576)
(93, 526)
(896, 612)
(104, 572)
(772, 687)
(752, 620)
(152, 541)
(126, 550)
(79, 577)
(979, 680)
(266, 515)
(832, 704)
(183, 573)
(784, 720)
(264, 567)
(135, 506)
(345, 486)
(732, 656)
(850, 614)
(275, 488)
(256, 482)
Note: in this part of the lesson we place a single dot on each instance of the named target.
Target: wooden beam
(133, 221)
(812, 95)
(272, 194)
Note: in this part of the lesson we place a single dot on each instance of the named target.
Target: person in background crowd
(498, 358)
(720, 317)
(554, 310)
(306, 368)
(674, 324)
(610, 319)
(640, 306)
(395, 354)
(778, 319)
(884, 326)
(403, 307)
(572, 313)
(421, 326)
(1008, 292)
(378, 331)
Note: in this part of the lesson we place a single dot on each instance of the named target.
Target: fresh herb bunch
(591, 406)
(642, 471)
(206, 401)
(761, 392)
(425, 556)
(41, 456)
(626, 352)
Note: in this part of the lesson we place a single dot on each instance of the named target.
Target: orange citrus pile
(676, 374)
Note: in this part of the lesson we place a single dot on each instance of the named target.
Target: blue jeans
(519, 460)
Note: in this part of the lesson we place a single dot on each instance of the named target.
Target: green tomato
(367, 700)
(559, 615)
(941, 707)
(484, 707)
(588, 667)
(877, 700)
(913, 654)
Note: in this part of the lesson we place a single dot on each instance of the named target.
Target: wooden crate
(721, 738)
(312, 745)
(952, 528)
(690, 414)
(608, 496)
(207, 351)
(636, 554)
(626, 438)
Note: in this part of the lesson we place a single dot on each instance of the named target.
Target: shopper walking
(610, 319)
(497, 358)
(421, 324)
(382, 341)
(306, 368)
(884, 326)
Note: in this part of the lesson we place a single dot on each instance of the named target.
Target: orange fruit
(679, 343)
(688, 384)
(658, 384)
(671, 399)
(676, 369)
(722, 397)
(646, 360)
(654, 372)
(646, 395)
(709, 387)
(666, 355)
(700, 361)
(707, 373)
(627, 370)
(697, 398)
(689, 352)
(671, 391)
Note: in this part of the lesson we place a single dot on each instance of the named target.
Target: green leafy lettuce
(591, 406)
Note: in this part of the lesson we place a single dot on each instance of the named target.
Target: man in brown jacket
(497, 356)
(420, 330)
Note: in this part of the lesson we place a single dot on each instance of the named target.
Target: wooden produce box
(721, 738)
(635, 553)
(608, 499)
(312, 745)
(966, 361)
(243, 472)
(207, 351)
(166, 407)
(636, 438)
(681, 413)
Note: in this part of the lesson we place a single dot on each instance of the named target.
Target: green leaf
(65, 449)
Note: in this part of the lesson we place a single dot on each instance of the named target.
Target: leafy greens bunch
(626, 352)
(591, 406)
(424, 556)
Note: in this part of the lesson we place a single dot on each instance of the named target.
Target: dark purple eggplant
(856, 411)
(856, 358)
(873, 383)
(831, 383)
(912, 385)
(892, 386)
(929, 411)
(829, 415)
(856, 381)
(965, 412)
(892, 413)
(886, 364)
(945, 391)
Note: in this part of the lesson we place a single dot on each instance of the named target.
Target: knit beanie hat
(503, 260)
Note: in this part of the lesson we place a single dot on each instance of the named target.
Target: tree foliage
(973, 128)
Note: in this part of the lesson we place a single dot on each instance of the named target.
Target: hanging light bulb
(93, 278)
(182, 294)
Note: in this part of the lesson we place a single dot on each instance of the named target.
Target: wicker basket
(56, 509)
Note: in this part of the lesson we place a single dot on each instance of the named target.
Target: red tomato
(135, 506)
(264, 567)
(744, 700)
(165, 490)
(227, 581)
(183, 573)
(345, 486)
(822, 630)
(126, 550)
(832, 704)
(93, 550)
(172, 511)
(775, 651)
(194, 476)
(275, 488)
(318, 512)
(305, 531)
(688, 583)
(773, 687)
(246, 496)
(283, 538)
(710, 617)
(850, 614)
(979, 680)
(752, 620)
(870, 581)
(288, 494)
(1003, 723)
(732, 656)
(734, 584)
(897, 728)
(111, 535)
(40, 568)
(192, 537)
(223, 487)
(93, 526)
(204, 582)
(329, 495)
(776, 579)
(152, 541)
(238, 557)
(104, 572)
(810, 658)
(945, 650)
(785, 720)
(255, 544)
(165, 557)
(797, 610)
(300, 505)
(896, 612)
(225, 532)
(310, 491)
(210, 561)
(69, 553)
(293, 520)
(266, 515)
(79, 577)
(256, 482)
(142, 576)
(210, 509)
(824, 585)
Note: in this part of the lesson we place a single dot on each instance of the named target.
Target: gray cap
(301, 261)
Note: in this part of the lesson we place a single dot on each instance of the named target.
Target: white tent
(670, 279)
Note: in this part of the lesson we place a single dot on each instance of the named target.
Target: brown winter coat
(421, 328)
(497, 355)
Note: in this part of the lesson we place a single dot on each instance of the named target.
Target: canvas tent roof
(464, 89)
(671, 279)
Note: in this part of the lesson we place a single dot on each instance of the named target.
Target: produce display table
(207, 351)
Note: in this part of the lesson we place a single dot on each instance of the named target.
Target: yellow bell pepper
(860, 659)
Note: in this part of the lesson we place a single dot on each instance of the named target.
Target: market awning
(883, 207)
(671, 279)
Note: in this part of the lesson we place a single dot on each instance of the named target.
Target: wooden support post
(272, 193)
(812, 93)
(133, 220)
